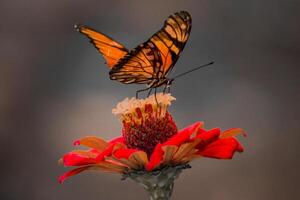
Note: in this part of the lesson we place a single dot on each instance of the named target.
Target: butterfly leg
(165, 88)
(149, 92)
(137, 92)
(155, 96)
(169, 88)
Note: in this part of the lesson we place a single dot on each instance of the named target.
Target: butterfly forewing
(152, 60)
(111, 50)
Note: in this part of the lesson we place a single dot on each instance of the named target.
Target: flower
(150, 141)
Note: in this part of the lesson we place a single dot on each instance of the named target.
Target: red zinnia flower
(150, 141)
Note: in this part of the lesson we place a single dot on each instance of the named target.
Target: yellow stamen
(128, 107)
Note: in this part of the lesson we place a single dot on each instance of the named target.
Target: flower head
(146, 122)
(150, 141)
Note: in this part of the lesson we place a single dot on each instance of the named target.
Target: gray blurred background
(55, 89)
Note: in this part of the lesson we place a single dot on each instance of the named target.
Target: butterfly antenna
(189, 71)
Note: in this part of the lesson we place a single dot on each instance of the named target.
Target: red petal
(109, 150)
(221, 149)
(124, 153)
(181, 137)
(207, 137)
(239, 147)
(156, 158)
(118, 139)
(73, 159)
(201, 131)
(184, 134)
(73, 172)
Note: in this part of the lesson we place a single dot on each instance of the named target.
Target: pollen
(146, 122)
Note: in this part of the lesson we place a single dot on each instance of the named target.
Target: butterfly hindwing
(152, 60)
(111, 50)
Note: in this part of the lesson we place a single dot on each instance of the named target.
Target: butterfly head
(169, 81)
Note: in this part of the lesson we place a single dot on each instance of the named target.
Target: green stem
(159, 184)
(162, 192)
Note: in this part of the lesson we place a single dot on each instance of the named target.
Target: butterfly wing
(111, 50)
(153, 60)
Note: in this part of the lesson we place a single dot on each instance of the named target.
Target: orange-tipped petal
(185, 150)
(169, 151)
(130, 164)
(221, 149)
(140, 157)
(233, 132)
(184, 134)
(92, 142)
(134, 158)
(112, 166)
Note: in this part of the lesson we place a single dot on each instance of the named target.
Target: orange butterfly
(150, 62)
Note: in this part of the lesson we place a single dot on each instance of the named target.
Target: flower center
(146, 122)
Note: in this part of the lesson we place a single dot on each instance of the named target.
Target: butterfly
(150, 62)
